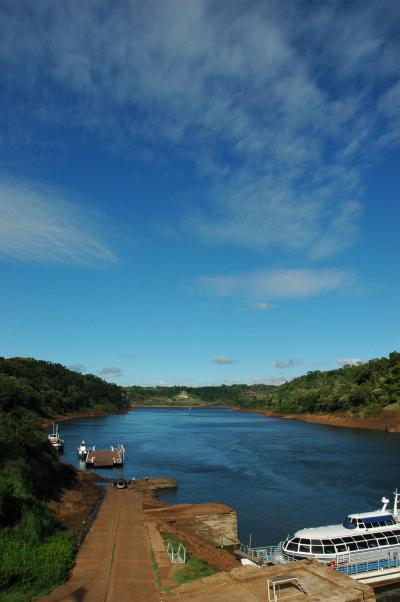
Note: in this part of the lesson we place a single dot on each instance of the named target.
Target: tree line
(364, 389)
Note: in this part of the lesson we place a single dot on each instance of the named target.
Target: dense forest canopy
(48, 389)
(364, 389)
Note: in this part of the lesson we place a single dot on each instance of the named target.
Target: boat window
(295, 540)
(292, 546)
(305, 541)
(329, 549)
(352, 545)
(369, 536)
(347, 539)
(316, 542)
(362, 545)
(317, 549)
(337, 541)
(303, 548)
(349, 523)
(392, 539)
(373, 544)
(382, 541)
(358, 538)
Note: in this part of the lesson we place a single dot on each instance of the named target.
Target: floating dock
(105, 458)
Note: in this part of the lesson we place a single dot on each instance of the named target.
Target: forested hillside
(222, 394)
(35, 553)
(364, 389)
(47, 389)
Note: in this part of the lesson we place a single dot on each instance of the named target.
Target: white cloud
(283, 364)
(262, 306)
(278, 283)
(77, 368)
(38, 225)
(223, 360)
(349, 361)
(279, 108)
(110, 371)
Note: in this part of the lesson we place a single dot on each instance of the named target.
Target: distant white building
(182, 395)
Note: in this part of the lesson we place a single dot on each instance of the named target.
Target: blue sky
(199, 192)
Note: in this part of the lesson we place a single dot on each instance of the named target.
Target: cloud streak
(278, 283)
(223, 360)
(111, 371)
(282, 364)
(349, 361)
(38, 225)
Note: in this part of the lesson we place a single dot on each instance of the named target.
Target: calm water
(279, 475)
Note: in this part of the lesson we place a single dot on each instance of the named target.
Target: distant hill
(218, 395)
(365, 389)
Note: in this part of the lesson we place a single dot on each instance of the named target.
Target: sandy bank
(384, 422)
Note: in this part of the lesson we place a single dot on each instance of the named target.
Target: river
(279, 475)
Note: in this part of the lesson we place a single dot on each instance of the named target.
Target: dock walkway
(114, 562)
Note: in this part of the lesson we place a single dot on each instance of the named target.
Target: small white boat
(82, 451)
(55, 440)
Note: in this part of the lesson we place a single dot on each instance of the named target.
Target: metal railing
(349, 563)
(176, 555)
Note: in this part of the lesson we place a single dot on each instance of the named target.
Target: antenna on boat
(385, 502)
(395, 503)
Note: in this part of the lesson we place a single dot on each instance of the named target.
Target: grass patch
(30, 569)
(155, 567)
(194, 568)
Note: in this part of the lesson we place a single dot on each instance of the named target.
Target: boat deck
(104, 457)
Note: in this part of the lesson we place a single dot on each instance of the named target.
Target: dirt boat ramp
(114, 562)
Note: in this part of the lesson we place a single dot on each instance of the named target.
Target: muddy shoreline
(45, 422)
(383, 422)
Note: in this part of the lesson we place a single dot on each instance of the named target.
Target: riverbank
(384, 422)
(387, 421)
(97, 413)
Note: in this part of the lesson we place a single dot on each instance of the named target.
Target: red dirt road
(114, 562)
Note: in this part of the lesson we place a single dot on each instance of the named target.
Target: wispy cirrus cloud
(283, 144)
(278, 283)
(38, 224)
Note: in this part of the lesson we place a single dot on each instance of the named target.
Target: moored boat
(54, 439)
(366, 546)
(82, 450)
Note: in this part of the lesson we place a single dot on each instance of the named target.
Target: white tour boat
(55, 439)
(366, 546)
(82, 451)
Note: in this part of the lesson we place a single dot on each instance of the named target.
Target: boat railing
(355, 564)
(348, 563)
(268, 554)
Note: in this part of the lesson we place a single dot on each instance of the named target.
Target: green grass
(194, 568)
(155, 567)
